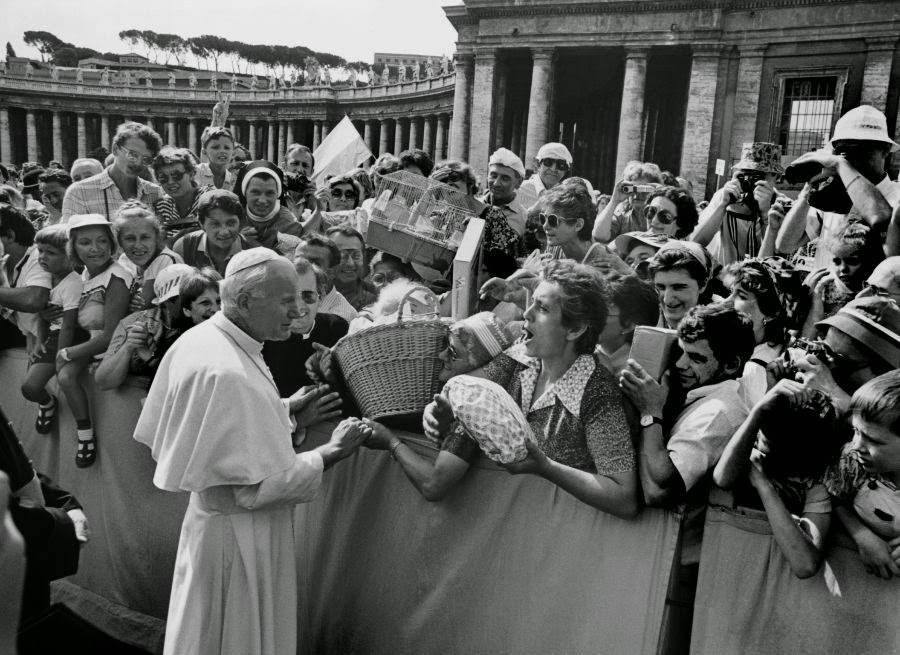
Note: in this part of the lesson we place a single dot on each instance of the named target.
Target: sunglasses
(309, 297)
(663, 215)
(552, 220)
(558, 164)
(337, 194)
(175, 176)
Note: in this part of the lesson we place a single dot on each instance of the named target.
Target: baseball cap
(864, 123)
(874, 322)
(166, 284)
(86, 220)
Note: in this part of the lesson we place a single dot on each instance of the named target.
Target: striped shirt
(100, 195)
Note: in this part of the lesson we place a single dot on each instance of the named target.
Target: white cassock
(218, 429)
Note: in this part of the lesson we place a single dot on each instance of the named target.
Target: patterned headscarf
(784, 280)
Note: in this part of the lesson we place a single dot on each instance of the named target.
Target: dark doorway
(665, 105)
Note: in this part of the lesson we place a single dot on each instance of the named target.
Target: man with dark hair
(632, 302)
(716, 341)
(53, 185)
(322, 251)
(134, 147)
(416, 161)
(27, 287)
(350, 275)
(680, 271)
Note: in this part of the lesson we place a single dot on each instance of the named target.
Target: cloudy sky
(353, 29)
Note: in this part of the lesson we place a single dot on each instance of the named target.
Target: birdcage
(418, 219)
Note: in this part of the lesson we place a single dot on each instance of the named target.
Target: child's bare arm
(873, 550)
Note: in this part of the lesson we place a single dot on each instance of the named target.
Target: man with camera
(733, 225)
(848, 173)
(625, 211)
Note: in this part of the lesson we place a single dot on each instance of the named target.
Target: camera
(828, 194)
(631, 189)
(799, 349)
(298, 183)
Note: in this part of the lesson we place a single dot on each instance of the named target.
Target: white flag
(341, 151)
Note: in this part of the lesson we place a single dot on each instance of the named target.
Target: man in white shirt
(25, 286)
(856, 154)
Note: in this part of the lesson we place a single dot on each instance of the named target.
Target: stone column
(482, 119)
(631, 116)
(398, 137)
(367, 135)
(192, 135)
(695, 149)
(746, 101)
(82, 135)
(326, 128)
(382, 136)
(440, 137)
(427, 132)
(317, 134)
(270, 152)
(413, 133)
(877, 73)
(57, 137)
(290, 133)
(538, 103)
(170, 132)
(150, 123)
(31, 135)
(459, 143)
(282, 141)
(251, 139)
(104, 131)
(500, 86)
(6, 153)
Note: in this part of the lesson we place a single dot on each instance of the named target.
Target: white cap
(166, 284)
(554, 151)
(86, 220)
(505, 157)
(249, 258)
(864, 123)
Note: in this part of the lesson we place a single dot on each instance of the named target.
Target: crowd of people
(226, 284)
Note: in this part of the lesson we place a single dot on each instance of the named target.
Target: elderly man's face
(307, 303)
(269, 317)
(503, 182)
(299, 162)
(84, 170)
(132, 157)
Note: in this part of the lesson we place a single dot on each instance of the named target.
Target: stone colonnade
(266, 138)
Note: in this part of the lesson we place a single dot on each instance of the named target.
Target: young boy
(866, 478)
(58, 329)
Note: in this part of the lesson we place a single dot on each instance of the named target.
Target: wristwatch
(64, 355)
(648, 419)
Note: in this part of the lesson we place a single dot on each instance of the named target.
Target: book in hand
(651, 347)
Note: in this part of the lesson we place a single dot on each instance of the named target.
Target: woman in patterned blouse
(572, 403)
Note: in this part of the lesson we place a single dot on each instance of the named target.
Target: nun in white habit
(218, 429)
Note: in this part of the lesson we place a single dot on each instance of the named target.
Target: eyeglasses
(552, 220)
(558, 164)
(136, 157)
(351, 256)
(384, 278)
(663, 215)
(175, 176)
(349, 194)
(309, 297)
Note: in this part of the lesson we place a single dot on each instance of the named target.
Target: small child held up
(865, 481)
(104, 302)
(58, 330)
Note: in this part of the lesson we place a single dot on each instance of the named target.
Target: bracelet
(64, 355)
(850, 183)
(395, 444)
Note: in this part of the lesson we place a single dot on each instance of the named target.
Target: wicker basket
(393, 369)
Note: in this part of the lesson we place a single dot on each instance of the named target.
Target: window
(807, 104)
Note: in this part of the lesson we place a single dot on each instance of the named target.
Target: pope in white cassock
(218, 429)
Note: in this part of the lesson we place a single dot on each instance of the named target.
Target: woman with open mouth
(572, 403)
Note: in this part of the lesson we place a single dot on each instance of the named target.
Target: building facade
(679, 82)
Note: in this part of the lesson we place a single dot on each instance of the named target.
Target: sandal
(86, 453)
(44, 420)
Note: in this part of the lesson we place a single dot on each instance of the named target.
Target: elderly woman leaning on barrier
(582, 443)
(473, 342)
